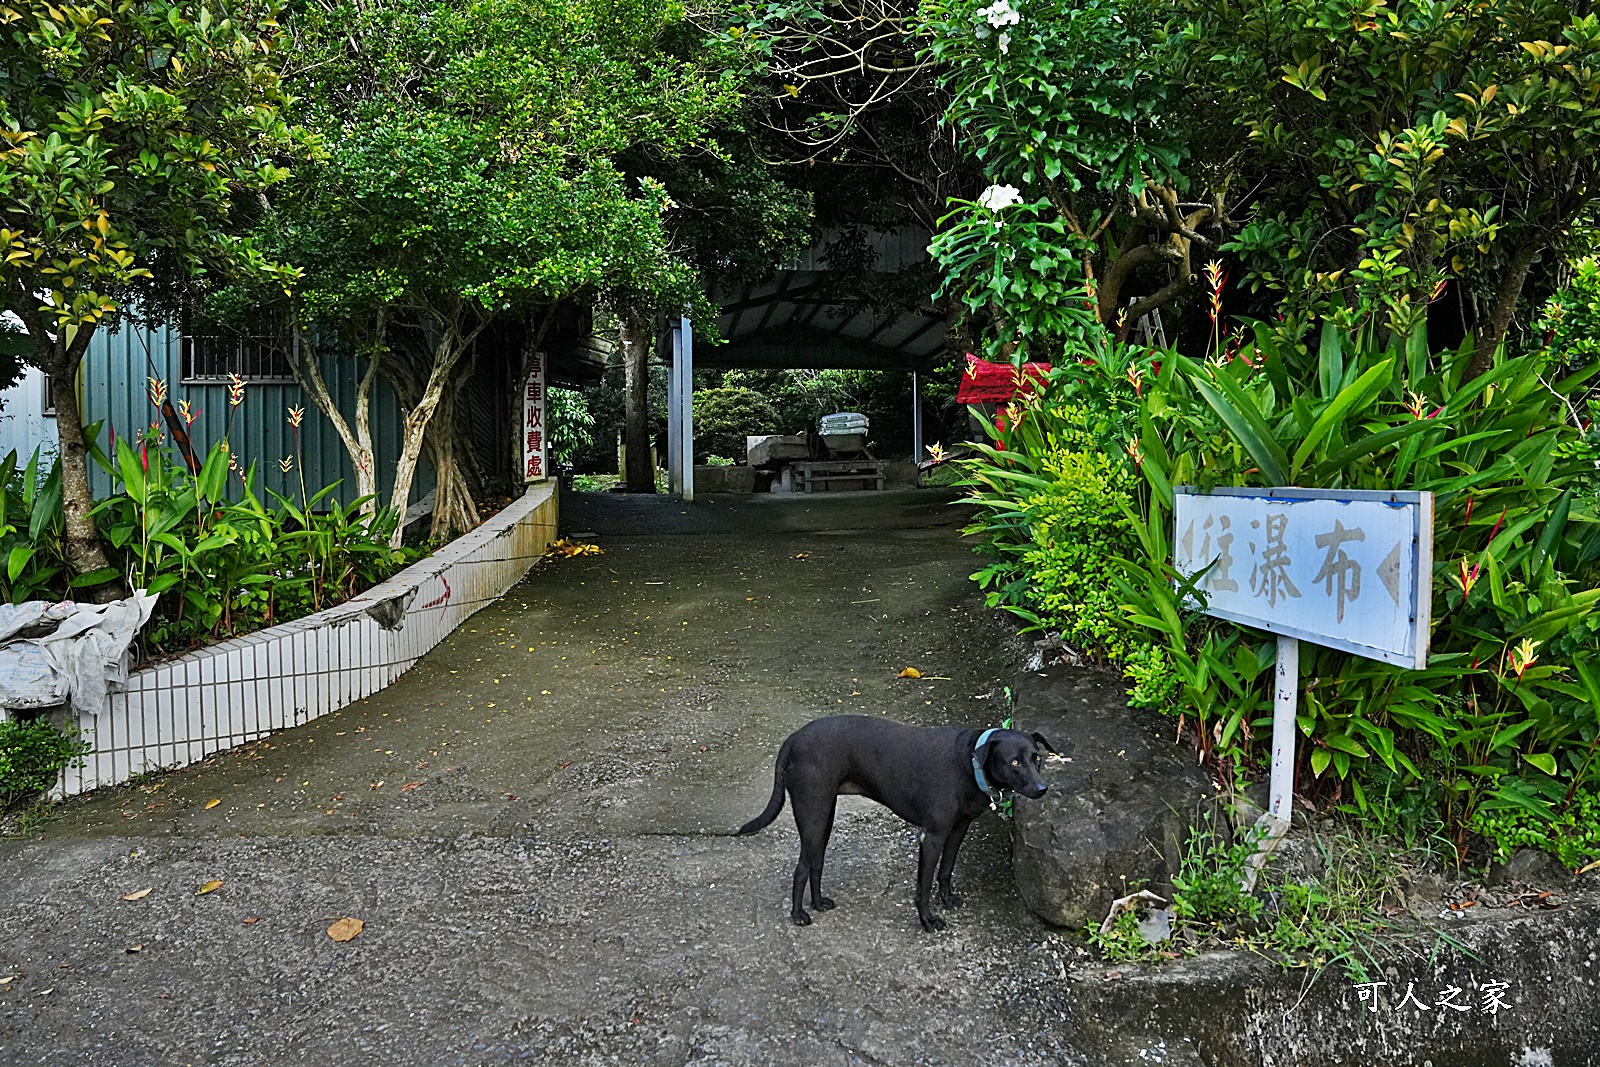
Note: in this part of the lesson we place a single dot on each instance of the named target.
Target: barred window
(212, 356)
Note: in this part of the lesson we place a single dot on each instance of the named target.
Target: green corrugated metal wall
(115, 390)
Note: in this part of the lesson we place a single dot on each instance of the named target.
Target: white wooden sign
(533, 423)
(1345, 569)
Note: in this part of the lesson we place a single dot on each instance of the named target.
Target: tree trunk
(456, 473)
(640, 477)
(307, 368)
(81, 545)
(1492, 330)
(446, 354)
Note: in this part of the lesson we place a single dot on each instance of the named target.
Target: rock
(736, 478)
(1120, 807)
(1530, 867)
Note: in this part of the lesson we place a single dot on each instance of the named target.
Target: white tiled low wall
(230, 693)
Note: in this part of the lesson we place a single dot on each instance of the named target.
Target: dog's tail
(774, 805)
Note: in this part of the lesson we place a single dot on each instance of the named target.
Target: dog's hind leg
(813, 817)
(927, 861)
(947, 865)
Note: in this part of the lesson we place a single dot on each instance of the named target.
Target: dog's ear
(1040, 739)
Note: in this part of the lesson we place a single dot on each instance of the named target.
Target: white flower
(1004, 41)
(1000, 197)
(1000, 14)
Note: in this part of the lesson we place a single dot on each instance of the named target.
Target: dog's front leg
(927, 864)
(947, 865)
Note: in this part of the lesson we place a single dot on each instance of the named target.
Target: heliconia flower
(1417, 404)
(1136, 452)
(1468, 577)
(158, 390)
(937, 453)
(189, 415)
(1523, 658)
(286, 464)
(1216, 277)
(972, 366)
(235, 390)
(1136, 379)
(999, 197)
(1438, 289)
(295, 415)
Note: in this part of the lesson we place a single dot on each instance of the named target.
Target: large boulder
(1120, 805)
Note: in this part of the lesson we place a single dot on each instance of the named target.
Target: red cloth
(997, 383)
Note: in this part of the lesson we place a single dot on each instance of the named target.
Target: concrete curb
(236, 691)
(1538, 972)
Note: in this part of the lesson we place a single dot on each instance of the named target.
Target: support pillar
(680, 410)
(674, 416)
(918, 453)
(686, 403)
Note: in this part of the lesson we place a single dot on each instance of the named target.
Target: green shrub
(224, 566)
(32, 755)
(1573, 836)
(571, 424)
(724, 417)
(1570, 319)
(1507, 713)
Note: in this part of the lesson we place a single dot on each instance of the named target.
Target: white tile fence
(226, 694)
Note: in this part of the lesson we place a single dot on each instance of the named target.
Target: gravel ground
(533, 825)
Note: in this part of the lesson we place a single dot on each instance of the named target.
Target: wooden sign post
(1347, 569)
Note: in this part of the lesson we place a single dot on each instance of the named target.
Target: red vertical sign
(533, 426)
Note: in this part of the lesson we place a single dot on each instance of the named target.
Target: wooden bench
(815, 476)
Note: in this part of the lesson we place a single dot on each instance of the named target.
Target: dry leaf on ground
(409, 786)
(8, 979)
(140, 894)
(910, 672)
(211, 886)
(345, 929)
(213, 802)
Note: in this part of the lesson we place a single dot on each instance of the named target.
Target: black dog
(937, 778)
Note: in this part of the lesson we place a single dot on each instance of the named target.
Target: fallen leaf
(910, 672)
(802, 555)
(131, 949)
(211, 886)
(346, 928)
(251, 920)
(47, 992)
(375, 785)
(409, 786)
(140, 894)
(8, 979)
(213, 802)
(1585, 869)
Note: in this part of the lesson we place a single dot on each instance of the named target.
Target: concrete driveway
(533, 825)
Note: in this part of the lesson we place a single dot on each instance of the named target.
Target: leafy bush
(1504, 717)
(1573, 836)
(1570, 319)
(571, 424)
(226, 567)
(723, 417)
(32, 754)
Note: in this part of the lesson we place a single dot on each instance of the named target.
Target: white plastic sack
(52, 653)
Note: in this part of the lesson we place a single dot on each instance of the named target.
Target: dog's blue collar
(977, 766)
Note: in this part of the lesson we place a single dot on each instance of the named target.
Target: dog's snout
(1039, 789)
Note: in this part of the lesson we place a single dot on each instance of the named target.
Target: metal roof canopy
(793, 321)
